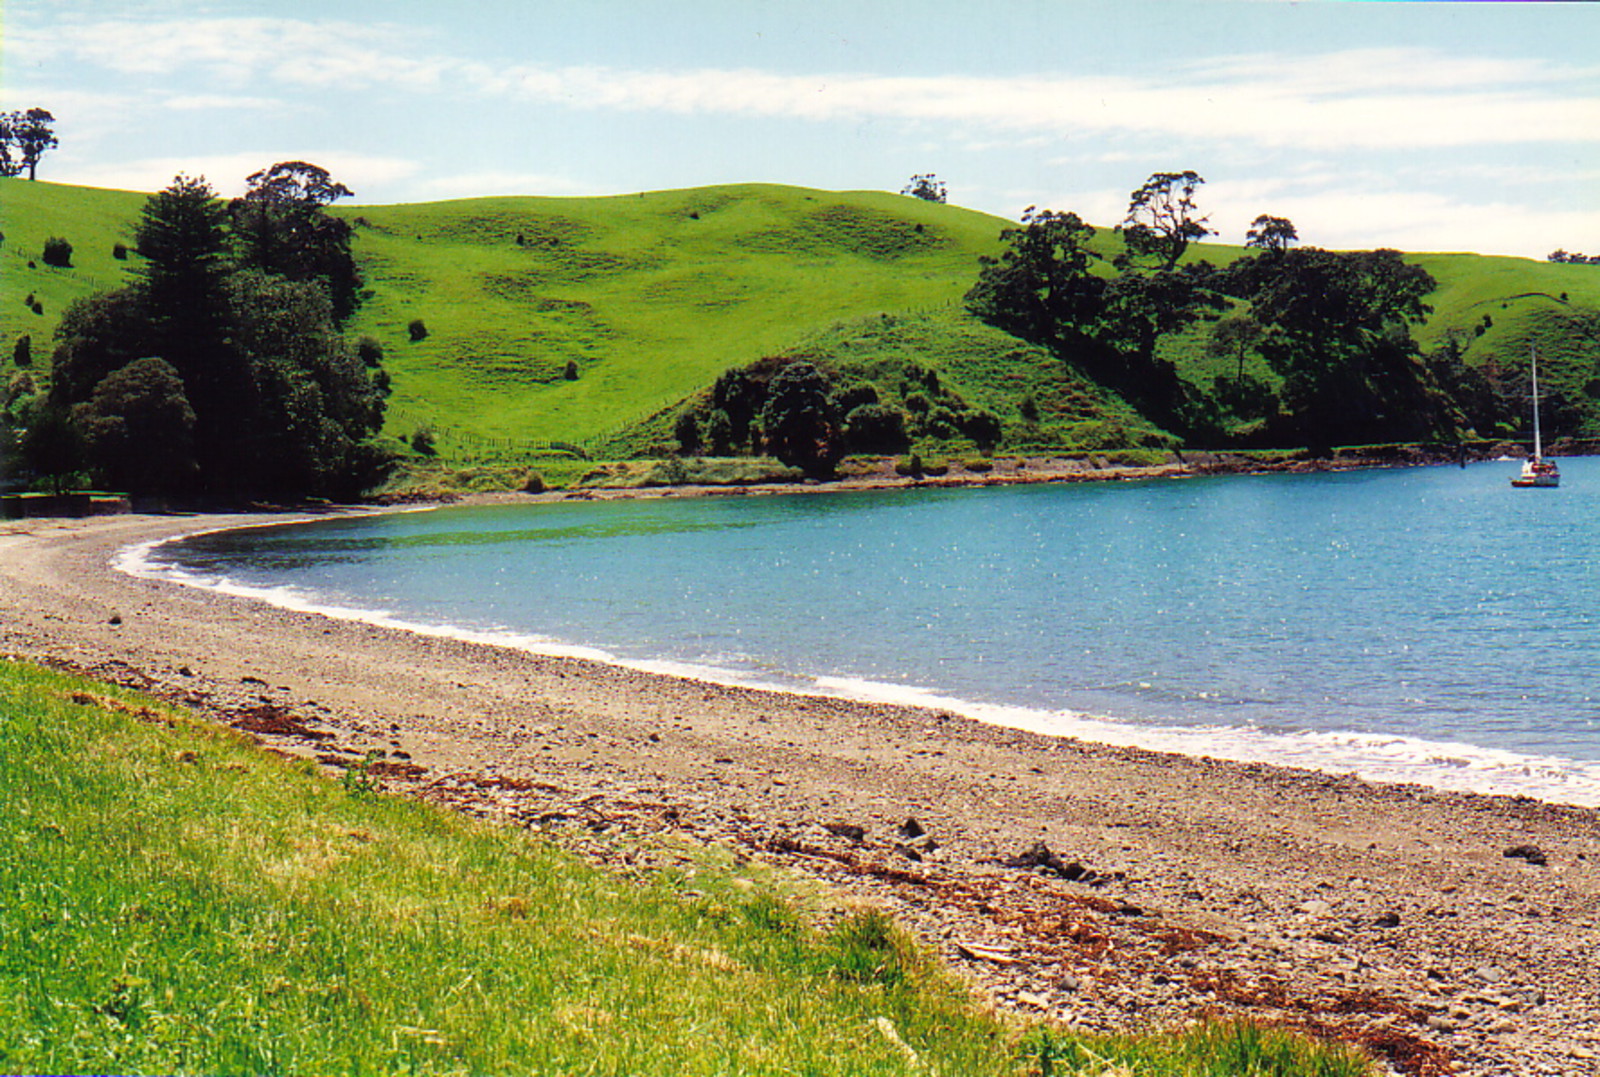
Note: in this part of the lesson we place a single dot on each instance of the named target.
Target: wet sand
(1109, 887)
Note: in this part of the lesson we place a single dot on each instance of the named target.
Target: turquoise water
(1427, 624)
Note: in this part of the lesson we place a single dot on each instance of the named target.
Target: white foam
(1374, 757)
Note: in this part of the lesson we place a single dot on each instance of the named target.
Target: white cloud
(227, 172)
(1367, 98)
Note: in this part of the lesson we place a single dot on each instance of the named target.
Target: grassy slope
(175, 900)
(652, 295)
(92, 220)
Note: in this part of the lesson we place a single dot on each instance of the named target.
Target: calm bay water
(1427, 624)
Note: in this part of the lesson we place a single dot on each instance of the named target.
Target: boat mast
(1538, 446)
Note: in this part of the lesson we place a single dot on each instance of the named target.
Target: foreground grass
(175, 900)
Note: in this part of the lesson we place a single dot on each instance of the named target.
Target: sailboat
(1536, 470)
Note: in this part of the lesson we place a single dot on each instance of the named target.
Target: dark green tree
(739, 396)
(686, 431)
(52, 447)
(138, 429)
(1337, 328)
(799, 422)
(314, 402)
(1272, 234)
(876, 428)
(719, 433)
(282, 405)
(25, 136)
(280, 227)
(1041, 288)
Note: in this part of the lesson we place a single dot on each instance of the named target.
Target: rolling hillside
(574, 319)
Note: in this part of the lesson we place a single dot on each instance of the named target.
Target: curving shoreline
(1202, 886)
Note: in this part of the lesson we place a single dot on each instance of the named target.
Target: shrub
(917, 403)
(876, 428)
(687, 432)
(22, 351)
(417, 329)
(911, 465)
(533, 483)
(719, 432)
(940, 422)
(119, 251)
(1028, 409)
(57, 252)
(854, 395)
(571, 372)
(983, 427)
(370, 350)
(423, 442)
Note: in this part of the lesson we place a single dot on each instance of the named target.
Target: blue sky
(1424, 126)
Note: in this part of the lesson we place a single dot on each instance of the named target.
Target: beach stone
(1531, 853)
(848, 831)
(911, 829)
(1388, 919)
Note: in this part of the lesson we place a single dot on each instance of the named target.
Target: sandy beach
(1108, 887)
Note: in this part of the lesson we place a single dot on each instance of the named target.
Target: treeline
(1334, 328)
(223, 372)
(1573, 258)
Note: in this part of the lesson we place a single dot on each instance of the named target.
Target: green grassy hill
(646, 298)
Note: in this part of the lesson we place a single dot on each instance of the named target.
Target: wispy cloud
(227, 172)
(1358, 99)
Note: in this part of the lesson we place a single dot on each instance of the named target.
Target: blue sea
(1426, 625)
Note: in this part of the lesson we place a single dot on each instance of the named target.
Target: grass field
(644, 299)
(173, 899)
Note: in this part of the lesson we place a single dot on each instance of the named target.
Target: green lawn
(173, 899)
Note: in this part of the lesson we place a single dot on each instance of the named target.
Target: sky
(1443, 126)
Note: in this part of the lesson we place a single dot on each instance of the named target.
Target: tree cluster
(928, 187)
(810, 416)
(25, 136)
(1335, 327)
(1573, 258)
(222, 372)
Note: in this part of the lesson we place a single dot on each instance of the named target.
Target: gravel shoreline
(1109, 887)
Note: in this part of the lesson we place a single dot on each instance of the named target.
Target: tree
(283, 406)
(280, 227)
(138, 429)
(1337, 328)
(1162, 218)
(801, 427)
(30, 134)
(686, 430)
(1271, 234)
(876, 428)
(1040, 288)
(295, 183)
(52, 446)
(929, 188)
(1233, 337)
(310, 402)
